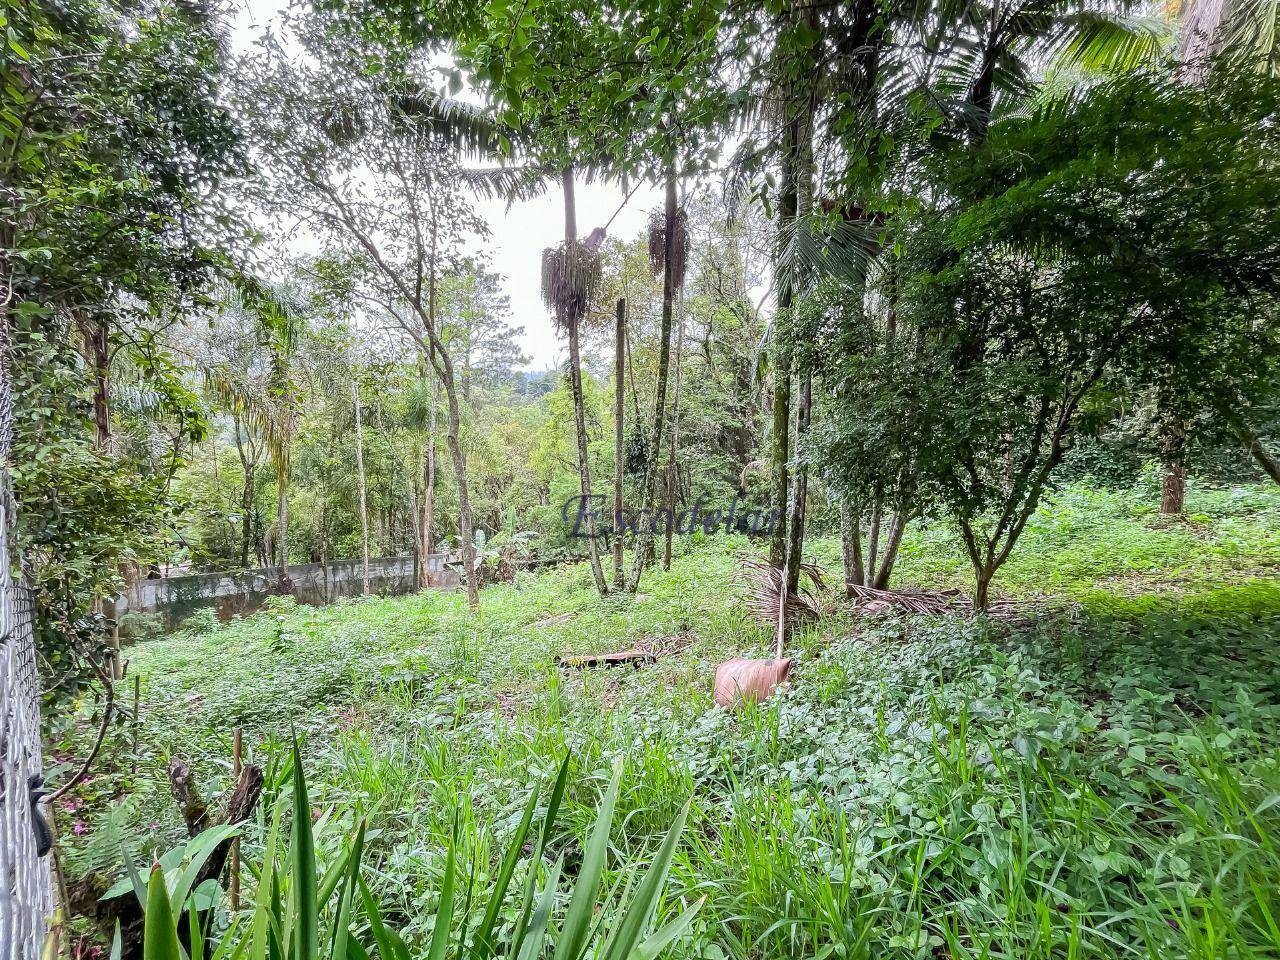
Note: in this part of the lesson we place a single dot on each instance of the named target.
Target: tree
(113, 137)
(268, 397)
(1107, 232)
(370, 158)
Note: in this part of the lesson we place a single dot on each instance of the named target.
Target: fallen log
(633, 657)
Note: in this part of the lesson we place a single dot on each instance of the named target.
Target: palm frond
(570, 277)
(1249, 31)
(458, 125)
(813, 248)
(1103, 43)
(507, 183)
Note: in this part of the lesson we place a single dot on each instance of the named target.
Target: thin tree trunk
(619, 414)
(982, 593)
(850, 547)
(429, 491)
(799, 489)
(873, 544)
(891, 548)
(282, 527)
(780, 451)
(644, 542)
(453, 439)
(579, 404)
(360, 483)
(672, 458)
(1173, 484)
(249, 465)
(246, 510)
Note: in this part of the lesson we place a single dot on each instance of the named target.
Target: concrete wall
(244, 591)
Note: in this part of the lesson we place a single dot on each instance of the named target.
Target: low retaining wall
(244, 591)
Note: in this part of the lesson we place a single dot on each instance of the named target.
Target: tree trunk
(1173, 485)
(429, 489)
(282, 528)
(453, 439)
(780, 451)
(644, 542)
(575, 380)
(799, 489)
(360, 484)
(873, 544)
(249, 466)
(982, 575)
(97, 351)
(891, 547)
(465, 529)
(851, 547)
(673, 478)
(619, 414)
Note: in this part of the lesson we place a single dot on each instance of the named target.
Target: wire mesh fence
(25, 892)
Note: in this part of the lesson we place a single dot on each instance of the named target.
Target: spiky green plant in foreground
(304, 913)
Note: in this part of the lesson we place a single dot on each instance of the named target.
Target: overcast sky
(518, 235)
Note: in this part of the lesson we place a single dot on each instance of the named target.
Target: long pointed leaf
(302, 890)
(482, 943)
(537, 931)
(338, 948)
(160, 930)
(640, 910)
(444, 913)
(573, 934)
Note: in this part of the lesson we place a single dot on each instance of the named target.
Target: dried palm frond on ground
(764, 584)
(933, 602)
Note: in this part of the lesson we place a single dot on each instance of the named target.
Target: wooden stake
(781, 642)
(137, 697)
(236, 757)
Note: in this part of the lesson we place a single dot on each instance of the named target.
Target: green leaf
(160, 931)
(640, 910)
(573, 934)
(537, 931)
(444, 913)
(302, 891)
(482, 943)
(338, 948)
(655, 944)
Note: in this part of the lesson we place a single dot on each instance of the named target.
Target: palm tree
(570, 276)
(267, 400)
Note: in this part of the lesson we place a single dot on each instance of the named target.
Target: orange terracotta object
(742, 680)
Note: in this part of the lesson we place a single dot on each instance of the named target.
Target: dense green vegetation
(1092, 774)
(973, 306)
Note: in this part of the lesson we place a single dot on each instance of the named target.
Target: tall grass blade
(639, 911)
(482, 944)
(448, 891)
(573, 934)
(665, 935)
(537, 930)
(302, 889)
(338, 946)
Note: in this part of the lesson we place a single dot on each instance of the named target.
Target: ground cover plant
(1097, 776)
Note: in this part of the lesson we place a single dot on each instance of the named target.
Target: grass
(1102, 780)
